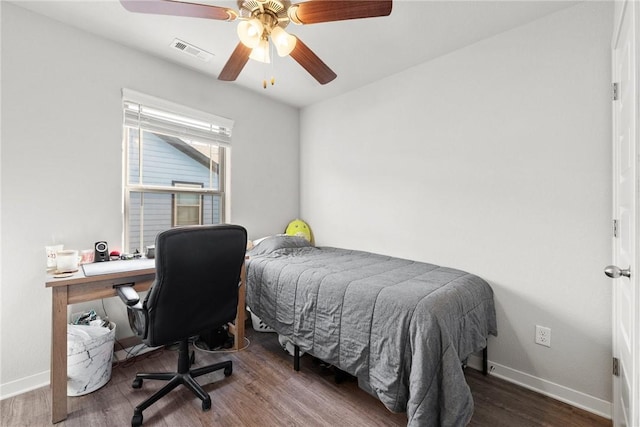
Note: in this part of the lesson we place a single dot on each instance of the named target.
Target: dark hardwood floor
(265, 391)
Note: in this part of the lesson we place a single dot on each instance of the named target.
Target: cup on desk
(67, 261)
(150, 251)
(51, 255)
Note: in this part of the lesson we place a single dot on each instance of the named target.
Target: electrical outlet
(543, 336)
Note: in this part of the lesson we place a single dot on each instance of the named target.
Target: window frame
(169, 189)
(219, 195)
(175, 205)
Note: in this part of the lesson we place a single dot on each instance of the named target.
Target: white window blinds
(157, 115)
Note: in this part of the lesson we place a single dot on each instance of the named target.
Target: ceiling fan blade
(236, 63)
(313, 12)
(178, 8)
(310, 62)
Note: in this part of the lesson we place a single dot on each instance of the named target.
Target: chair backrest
(196, 286)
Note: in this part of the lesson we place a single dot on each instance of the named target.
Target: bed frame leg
(485, 362)
(296, 358)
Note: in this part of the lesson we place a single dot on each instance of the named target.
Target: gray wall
(62, 164)
(495, 159)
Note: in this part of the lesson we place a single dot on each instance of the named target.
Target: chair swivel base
(184, 376)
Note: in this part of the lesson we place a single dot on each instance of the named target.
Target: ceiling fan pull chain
(264, 76)
(273, 78)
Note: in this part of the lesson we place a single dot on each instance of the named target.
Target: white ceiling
(359, 51)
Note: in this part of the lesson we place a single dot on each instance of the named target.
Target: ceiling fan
(261, 20)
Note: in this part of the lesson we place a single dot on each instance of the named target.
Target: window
(187, 208)
(175, 167)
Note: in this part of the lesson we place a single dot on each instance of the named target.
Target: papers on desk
(120, 266)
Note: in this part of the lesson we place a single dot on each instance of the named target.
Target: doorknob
(614, 272)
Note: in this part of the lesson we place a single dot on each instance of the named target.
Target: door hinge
(615, 228)
(616, 367)
(614, 90)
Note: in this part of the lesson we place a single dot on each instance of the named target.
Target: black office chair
(195, 291)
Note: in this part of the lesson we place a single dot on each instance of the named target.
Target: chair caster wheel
(136, 421)
(137, 383)
(206, 404)
(228, 371)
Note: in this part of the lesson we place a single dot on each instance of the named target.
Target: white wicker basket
(258, 324)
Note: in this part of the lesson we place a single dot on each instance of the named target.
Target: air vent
(191, 50)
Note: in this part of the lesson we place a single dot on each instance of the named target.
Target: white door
(624, 271)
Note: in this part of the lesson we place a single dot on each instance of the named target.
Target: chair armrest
(128, 295)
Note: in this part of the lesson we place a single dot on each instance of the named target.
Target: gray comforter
(401, 327)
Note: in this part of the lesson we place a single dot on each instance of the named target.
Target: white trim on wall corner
(547, 388)
(23, 385)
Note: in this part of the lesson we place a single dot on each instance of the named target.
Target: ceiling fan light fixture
(283, 41)
(261, 52)
(250, 32)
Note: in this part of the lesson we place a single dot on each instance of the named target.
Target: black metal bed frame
(296, 360)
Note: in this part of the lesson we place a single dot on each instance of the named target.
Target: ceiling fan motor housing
(271, 13)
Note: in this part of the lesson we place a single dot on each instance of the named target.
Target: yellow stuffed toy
(299, 228)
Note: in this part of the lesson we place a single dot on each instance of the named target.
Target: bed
(403, 328)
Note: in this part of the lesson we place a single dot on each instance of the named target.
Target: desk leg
(59, 355)
(238, 336)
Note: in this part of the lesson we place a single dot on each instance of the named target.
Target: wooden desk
(80, 288)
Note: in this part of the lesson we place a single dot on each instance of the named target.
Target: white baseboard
(564, 394)
(43, 379)
(23, 385)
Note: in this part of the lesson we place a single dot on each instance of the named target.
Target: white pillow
(256, 241)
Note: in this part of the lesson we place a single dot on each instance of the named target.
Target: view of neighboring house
(169, 162)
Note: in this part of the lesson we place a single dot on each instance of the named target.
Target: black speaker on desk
(101, 252)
